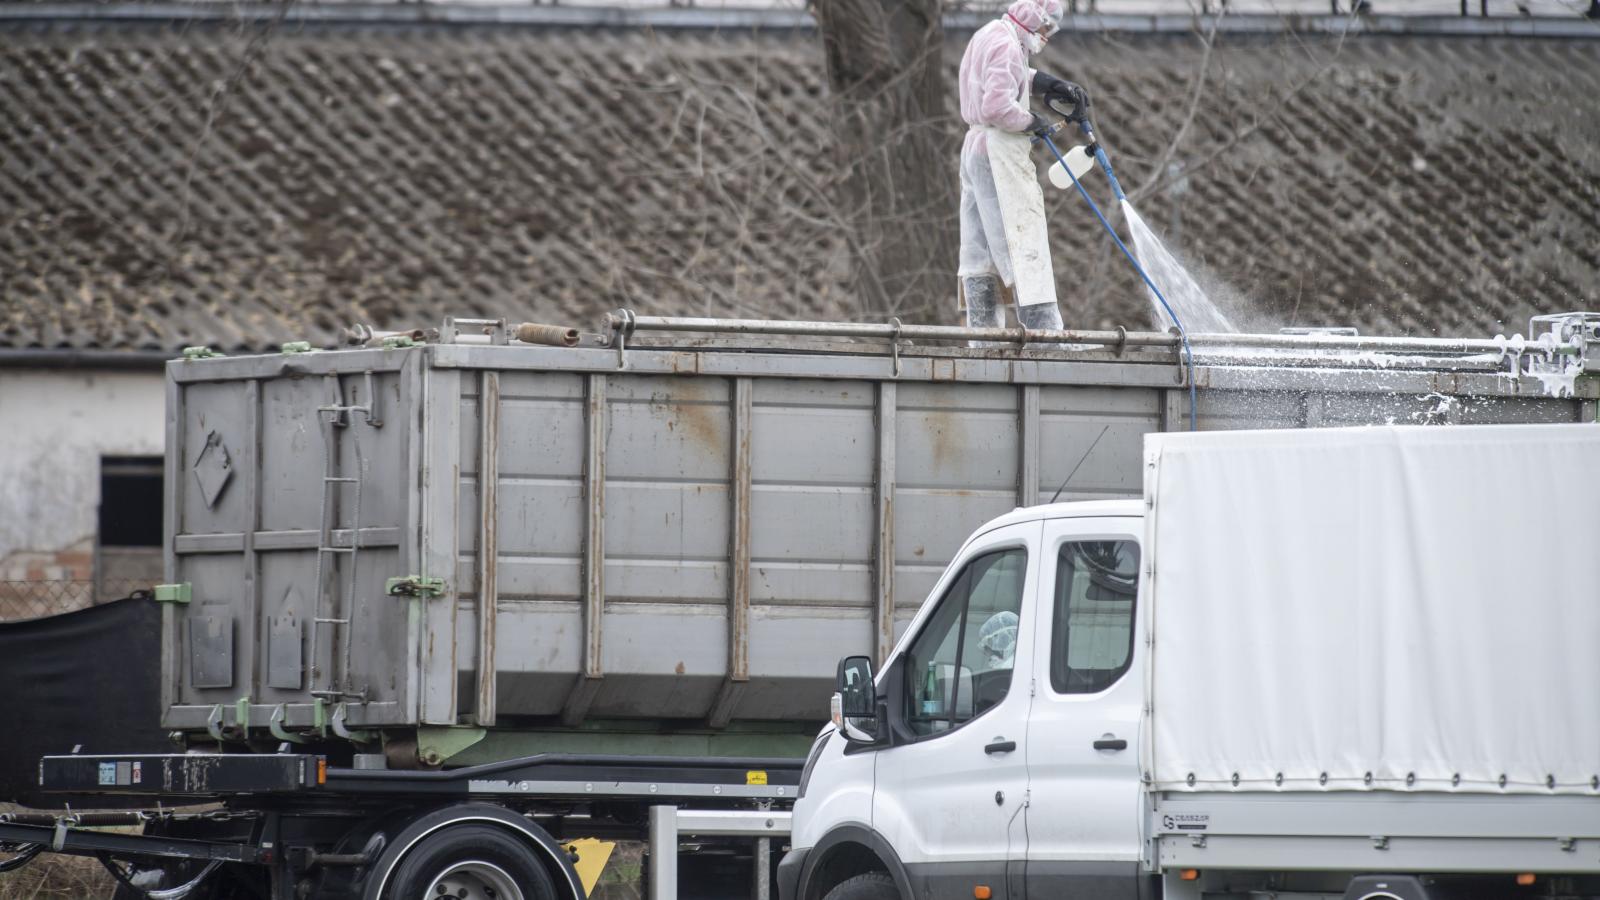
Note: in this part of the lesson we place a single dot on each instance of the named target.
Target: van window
(1092, 641)
(960, 665)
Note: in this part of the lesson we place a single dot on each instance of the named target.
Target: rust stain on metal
(700, 424)
(886, 579)
(686, 363)
(946, 436)
(595, 548)
(743, 405)
(884, 552)
(551, 335)
(488, 544)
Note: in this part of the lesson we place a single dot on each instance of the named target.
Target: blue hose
(1105, 165)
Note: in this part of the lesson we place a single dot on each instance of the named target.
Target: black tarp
(90, 677)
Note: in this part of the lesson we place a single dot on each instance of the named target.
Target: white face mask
(1031, 41)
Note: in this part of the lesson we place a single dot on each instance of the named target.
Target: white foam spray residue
(1196, 311)
(1556, 372)
(1559, 384)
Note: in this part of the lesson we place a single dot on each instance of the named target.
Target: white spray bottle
(1081, 161)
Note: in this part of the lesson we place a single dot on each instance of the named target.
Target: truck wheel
(866, 886)
(471, 862)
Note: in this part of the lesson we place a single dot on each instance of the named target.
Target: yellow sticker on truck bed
(591, 858)
(755, 778)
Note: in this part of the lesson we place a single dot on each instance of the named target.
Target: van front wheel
(866, 886)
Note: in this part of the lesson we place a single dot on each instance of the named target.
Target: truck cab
(996, 753)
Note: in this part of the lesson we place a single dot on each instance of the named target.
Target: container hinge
(1198, 841)
(174, 593)
(275, 725)
(1567, 845)
(356, 735)
(414, 586)
(201, 352)
(1380, 842)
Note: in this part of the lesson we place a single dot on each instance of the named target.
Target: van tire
(866, 886)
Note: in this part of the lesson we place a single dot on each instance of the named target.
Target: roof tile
(169, 187)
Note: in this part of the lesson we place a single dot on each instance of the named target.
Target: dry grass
(57, 877)
(54, 877)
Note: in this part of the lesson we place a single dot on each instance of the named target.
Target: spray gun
(1083, 157)
(1068, 171)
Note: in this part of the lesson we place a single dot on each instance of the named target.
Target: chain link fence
(33, 599)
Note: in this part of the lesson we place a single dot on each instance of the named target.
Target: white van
(1358, 663)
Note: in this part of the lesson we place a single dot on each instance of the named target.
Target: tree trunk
(895, 152)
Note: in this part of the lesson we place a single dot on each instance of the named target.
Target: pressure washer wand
(1078, 111)
(1105, 165)
(1099, 154)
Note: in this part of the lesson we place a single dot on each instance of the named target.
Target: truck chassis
(289, 827)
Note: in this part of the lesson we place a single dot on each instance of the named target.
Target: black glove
(1040, 127)
(1059, 89)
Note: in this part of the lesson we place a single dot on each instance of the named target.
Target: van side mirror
(855, 703)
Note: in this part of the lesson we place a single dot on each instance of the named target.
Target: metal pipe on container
(1392, 344)
(1390, 362)
(632, 323)
(888, 331)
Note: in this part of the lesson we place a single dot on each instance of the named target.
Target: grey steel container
(687, 536)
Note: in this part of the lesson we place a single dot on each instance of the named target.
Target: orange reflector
(1525, 878)
(980, 892)
(322, 770)
(1190, 874)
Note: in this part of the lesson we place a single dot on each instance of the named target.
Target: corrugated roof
(162, 187)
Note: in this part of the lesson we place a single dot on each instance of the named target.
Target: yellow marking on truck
(755, 778)
(592, 856)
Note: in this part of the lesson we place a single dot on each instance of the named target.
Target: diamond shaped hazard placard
(213, 468)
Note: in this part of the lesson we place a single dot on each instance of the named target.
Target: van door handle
(1000, 747)
(1111, 744)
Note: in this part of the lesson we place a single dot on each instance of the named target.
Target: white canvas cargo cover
(1401, 608)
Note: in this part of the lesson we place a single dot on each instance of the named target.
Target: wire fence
(34, 599)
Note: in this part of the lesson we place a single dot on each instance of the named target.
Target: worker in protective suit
(1003, 237)
(998, 638)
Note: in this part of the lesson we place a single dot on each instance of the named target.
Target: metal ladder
(335, 416)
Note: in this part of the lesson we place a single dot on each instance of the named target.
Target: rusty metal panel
(440, 475)
(246, 507)
(738, 669)
(487, 587)
(253, 623)
(695, 536)
(1094, 436)
(1028, 427)
(291, 448)
(883, 551)
(171, 502)
(957, 455)
(591, 670)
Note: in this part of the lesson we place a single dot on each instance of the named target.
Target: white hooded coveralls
(1002, 208)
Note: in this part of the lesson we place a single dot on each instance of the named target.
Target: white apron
(1016, 183)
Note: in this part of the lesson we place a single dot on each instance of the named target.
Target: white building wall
(55, 424)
